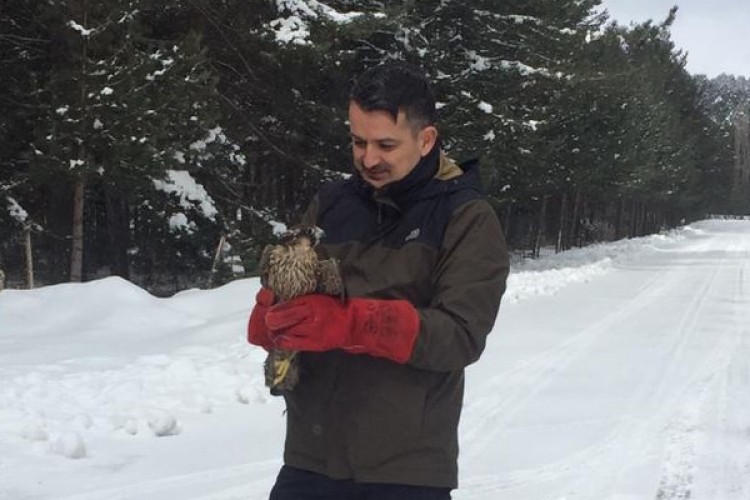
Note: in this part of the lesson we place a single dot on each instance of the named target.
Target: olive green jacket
(433, 240)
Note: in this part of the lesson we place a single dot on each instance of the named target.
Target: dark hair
(394, 86)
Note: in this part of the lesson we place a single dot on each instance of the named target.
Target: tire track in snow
(598, 466)
(529, 377)
(733, 449)
(246, 482)
(705, 434)
(653, 404)
(595, 463)
(731, 452)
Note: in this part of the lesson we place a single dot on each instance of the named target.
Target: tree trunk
(541, 228)
(618, 219)
(217, 259)
(118, 232)
(508, 221)
(632, 222)
(79, 190)
(76, 254)
(575, 229)
(562, 233)
(606, 222)
(583, 232)
(529, 238)
(642, 220)
(150, 268)
(29, 255)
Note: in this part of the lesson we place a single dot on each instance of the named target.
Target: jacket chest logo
(413, 235)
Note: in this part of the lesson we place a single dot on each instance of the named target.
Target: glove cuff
(384, 328)
(257, 331)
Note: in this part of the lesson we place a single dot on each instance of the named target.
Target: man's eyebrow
(384, 140)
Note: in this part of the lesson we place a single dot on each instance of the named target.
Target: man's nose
(371, 158)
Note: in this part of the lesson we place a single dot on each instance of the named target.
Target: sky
(715, 33)
(617, 371)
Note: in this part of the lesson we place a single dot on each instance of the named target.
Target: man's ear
(427, 139)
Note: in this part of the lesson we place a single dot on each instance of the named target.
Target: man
(375, 413)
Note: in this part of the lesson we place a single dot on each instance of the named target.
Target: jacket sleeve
(469, 283)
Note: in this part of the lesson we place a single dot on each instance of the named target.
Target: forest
(166, 141)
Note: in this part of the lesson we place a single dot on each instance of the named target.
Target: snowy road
(635, 385)
(619, 372)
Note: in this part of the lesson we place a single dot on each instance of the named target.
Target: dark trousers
(297, 484)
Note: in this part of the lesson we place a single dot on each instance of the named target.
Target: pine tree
(726, 100)
(115, 105)
(23, 51)
(283, 96)
(102, 102)
(500, 69)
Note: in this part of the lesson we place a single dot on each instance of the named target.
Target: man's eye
(387, 147)
(359, 144)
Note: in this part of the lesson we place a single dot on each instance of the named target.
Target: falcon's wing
(264, 264)
(330, 280)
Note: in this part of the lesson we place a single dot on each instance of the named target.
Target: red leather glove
(257, 331)
(383, 328)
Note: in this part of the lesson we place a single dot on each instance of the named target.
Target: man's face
(385, 151)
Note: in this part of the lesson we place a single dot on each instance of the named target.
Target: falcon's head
(290, 268)
(303, 235)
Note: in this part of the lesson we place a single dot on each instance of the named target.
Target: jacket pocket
(388, 417)
(311, 420)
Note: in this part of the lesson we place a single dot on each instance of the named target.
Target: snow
(179, 156)
(70, 445)
(77, 27)
(618, 371)
(159, 72)
(128, 16)
(522, 19)
(291, 30)
(190, 193)
(522, 68)
(478, 63)
(180, 222)
(277, 227)
(533, 124)
(293, 27)
(486, 107)
(313, 8)
(214, 134)
(166, 63)
(15, 210)
(238, 159)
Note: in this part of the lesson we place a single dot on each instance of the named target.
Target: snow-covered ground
(615, 372)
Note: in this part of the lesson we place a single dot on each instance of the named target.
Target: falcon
(289, 269)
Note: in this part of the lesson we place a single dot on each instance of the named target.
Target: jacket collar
(448, 169)
(399, 192)
(420, 175)
(434, 174)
